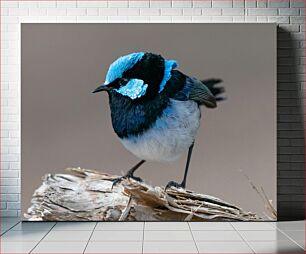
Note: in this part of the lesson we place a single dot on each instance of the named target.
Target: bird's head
(138, 75)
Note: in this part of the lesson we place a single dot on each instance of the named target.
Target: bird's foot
(175, 184)
(117, 180)
(127, 176)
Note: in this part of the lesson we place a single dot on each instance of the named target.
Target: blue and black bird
(155, 109)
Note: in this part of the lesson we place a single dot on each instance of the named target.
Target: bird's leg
(183, 183)
(130, 174)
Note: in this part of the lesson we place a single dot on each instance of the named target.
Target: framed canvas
(168, 98)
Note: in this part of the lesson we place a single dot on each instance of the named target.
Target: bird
(155, 108)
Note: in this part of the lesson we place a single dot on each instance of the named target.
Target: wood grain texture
(88, 195)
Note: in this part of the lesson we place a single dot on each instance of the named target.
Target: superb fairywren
(155, 108)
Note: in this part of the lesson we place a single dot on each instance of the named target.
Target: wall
(290, 15)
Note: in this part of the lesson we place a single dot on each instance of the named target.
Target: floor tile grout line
(290, 238)
(244, 240)
(143, 232)
(273, 224)
(252, 229)
(93, 230)
(42, 238)
(283, 230)
(10, 228)
(232, 226)
(185, 241)
(193, 237)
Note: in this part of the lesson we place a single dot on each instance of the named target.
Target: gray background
(64, 125)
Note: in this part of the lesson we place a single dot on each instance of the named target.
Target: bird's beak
(101, 88)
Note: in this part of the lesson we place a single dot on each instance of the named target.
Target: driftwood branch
(87, 195)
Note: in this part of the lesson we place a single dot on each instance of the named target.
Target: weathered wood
(87, 195)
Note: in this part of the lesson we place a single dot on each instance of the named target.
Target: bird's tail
(216, 91)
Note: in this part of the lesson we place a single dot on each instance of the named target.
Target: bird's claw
(121, 178)
(174, 184)
(117, 180)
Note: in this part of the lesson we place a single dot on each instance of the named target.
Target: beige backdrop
(65, 125)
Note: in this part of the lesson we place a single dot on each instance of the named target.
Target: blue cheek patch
(122, 64)
(169, 66)
(134, 89)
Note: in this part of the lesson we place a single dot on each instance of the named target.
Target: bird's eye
(123, 81)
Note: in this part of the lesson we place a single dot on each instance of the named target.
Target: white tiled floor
(152, 237)
(67, 236)
(224, 247)
(114, 247)
(265, 235)
(170, 247)
(60, 247)
(165, 236)
(107, 236)
(224, 236)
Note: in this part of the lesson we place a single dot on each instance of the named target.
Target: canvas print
(119, 125)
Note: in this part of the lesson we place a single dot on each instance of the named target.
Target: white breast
(170, 136)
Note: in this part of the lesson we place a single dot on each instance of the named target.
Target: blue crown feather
(122, 64)
(134, 89)
(169, 66)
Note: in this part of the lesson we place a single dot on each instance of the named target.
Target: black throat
(133, 117)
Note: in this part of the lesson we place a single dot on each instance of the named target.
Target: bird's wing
(182, 87)
(201, 94)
